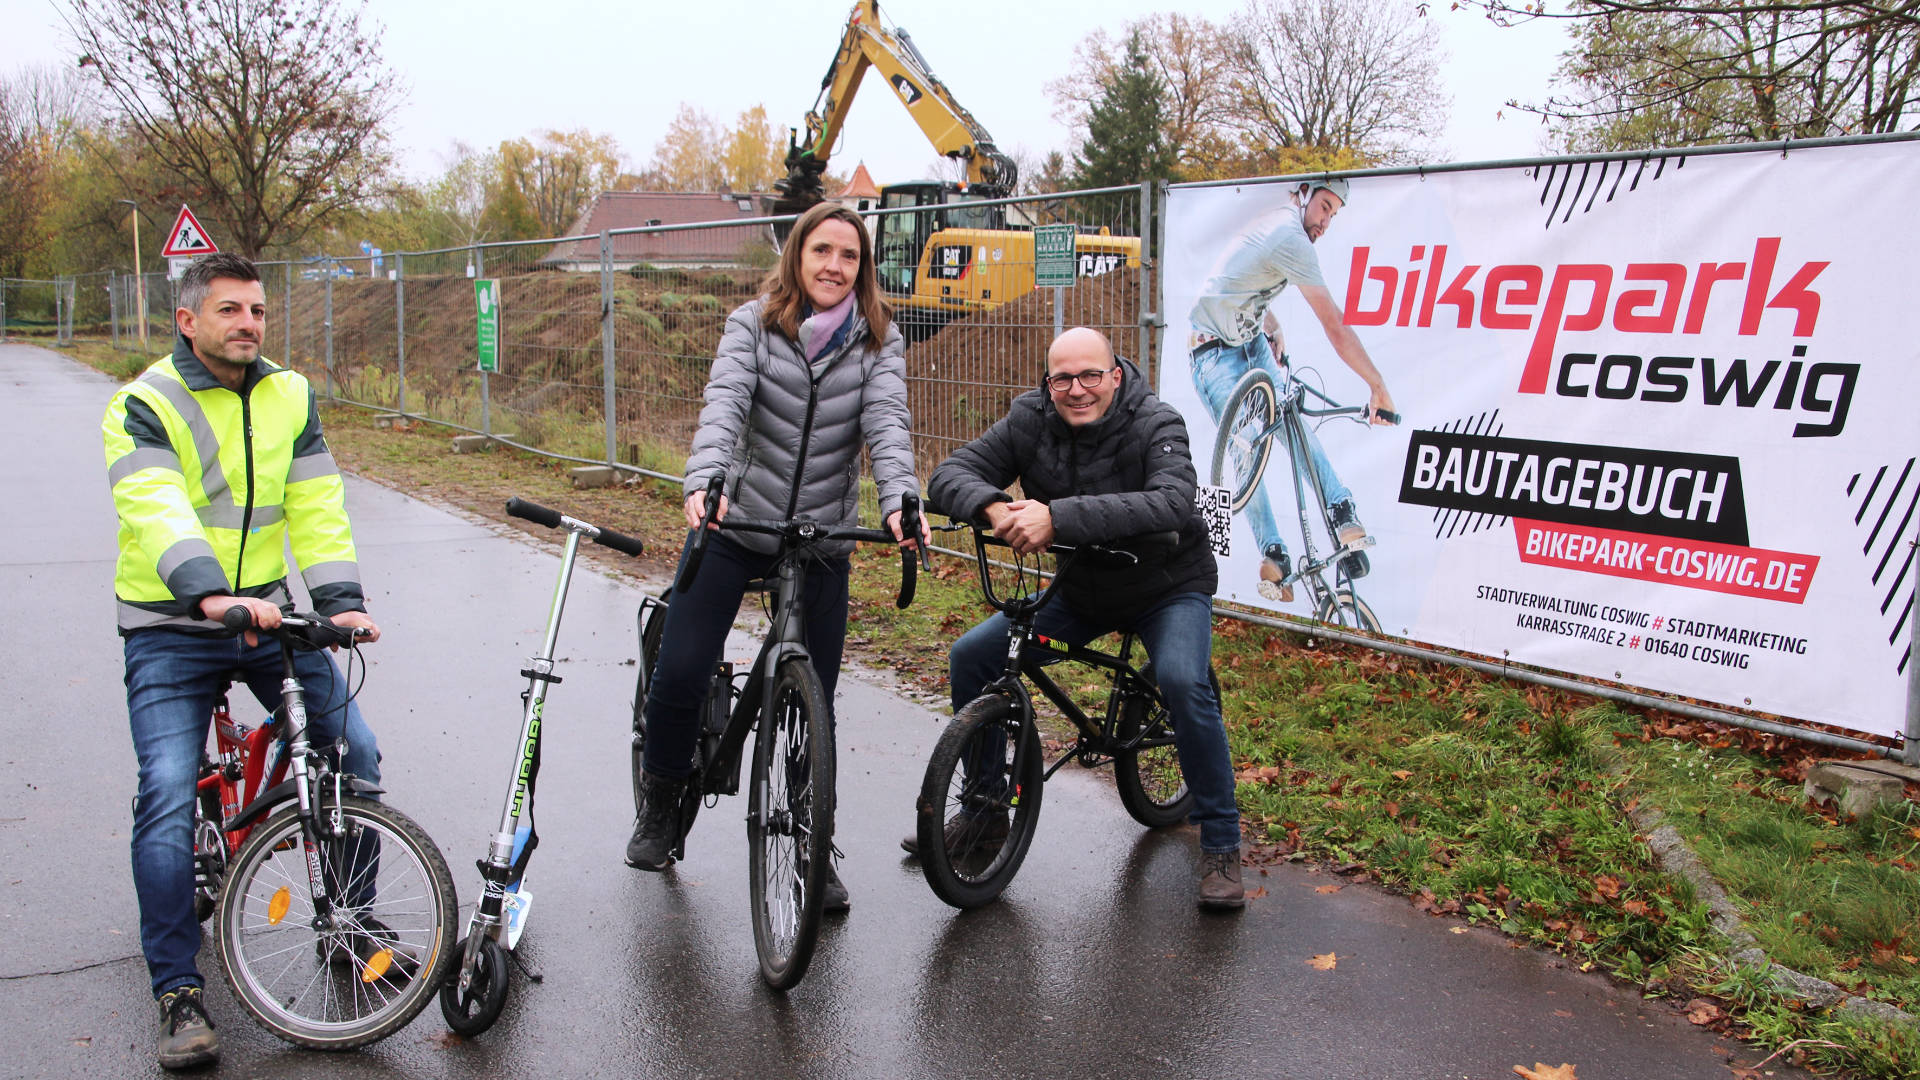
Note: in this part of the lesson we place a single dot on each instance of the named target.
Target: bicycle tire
(1345, 608)
(651, 630)
(209, 854)
(486, 995)
(790, 823)
(1005, 777)
(1253, 404)
(288, 976)
(1151, 784)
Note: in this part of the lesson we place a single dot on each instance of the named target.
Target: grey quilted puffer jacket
(787, 434)
(1124, 475)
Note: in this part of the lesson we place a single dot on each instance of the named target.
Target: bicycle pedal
(1361, 544)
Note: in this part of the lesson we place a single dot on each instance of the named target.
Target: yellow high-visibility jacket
(212, 486)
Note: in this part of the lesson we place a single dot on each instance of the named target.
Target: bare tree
(273, 109)
(52, 104)
(23, 168)
(1325, 76)
(559, 173)
(1681, 72)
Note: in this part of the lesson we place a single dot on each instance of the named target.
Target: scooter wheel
(475, 1011)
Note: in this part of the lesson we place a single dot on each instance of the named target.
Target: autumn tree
(275, 110)
(1687, 72)
(697, 154)
(1322, 81)
(1186, 53)
(557, 174)
(23, 186)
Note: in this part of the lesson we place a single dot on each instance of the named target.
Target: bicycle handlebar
(1068, 554)
(315, 630)
(800, 532)
(1365, 412)
(554, 519)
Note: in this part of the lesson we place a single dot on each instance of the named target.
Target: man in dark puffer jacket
(1101, 458)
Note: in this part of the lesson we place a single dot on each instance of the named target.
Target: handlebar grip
(620, 542)
(237, 619)
(1388, 415)
(534, 512)
(698, 551)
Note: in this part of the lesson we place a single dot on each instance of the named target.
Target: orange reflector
(277, 909)
(377, 966)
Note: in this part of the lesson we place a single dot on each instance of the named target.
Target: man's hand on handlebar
(1380, 402)
(364, 627)
(1026, 525)
(266, 615)
(696, 507)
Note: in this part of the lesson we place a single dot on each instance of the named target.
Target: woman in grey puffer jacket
(805, 375)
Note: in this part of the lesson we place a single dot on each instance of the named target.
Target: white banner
(1658, 416)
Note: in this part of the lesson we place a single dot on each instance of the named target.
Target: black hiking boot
(659, 826)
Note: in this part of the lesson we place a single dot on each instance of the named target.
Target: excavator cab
(901, 238)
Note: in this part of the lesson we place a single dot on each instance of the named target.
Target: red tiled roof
(861, 186)
(636, 209)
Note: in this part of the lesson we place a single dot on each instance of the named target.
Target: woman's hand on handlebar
(363, 625)
(696, 507)
(924, 540)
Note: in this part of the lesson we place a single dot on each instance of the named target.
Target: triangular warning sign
(187, 237)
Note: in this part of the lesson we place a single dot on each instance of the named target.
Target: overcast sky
(488, 70)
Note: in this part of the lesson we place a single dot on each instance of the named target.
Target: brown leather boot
(1219, 875)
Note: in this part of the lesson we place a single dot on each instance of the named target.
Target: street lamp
(139, 282)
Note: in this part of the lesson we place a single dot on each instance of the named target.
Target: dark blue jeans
(695, 634)
(173, 680)
(1178, 635)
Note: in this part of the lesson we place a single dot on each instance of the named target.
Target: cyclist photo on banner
(806, 375)
(1101, 459)
(217, 465)
(1234, 331)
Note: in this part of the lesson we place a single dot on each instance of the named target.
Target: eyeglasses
(1090, 380)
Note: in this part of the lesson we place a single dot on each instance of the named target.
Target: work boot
(659, 826)
(187, 1037)
(967, 835)
(833, 892)
(1275, 569)
(361, 947)
(1219, 875)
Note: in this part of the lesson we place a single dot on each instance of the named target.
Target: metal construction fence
(604, 342)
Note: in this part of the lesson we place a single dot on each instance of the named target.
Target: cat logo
(908, 92)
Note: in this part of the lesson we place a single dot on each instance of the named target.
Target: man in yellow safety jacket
(217, 465)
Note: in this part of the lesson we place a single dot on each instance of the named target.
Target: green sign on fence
(486, 295)
(1053, 258)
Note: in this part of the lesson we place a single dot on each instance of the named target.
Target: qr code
(1216, 512)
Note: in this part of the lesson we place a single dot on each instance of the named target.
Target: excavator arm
(951, 129)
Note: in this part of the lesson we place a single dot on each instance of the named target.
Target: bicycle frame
(235, 772)
(1309, 569)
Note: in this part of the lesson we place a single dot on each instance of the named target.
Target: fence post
(326, 324)
(606, 332)
(400, 325)
(1910, 751)
(1149, 255)
(3, 309)
(113, 307)
(287, 357)
(477, 259)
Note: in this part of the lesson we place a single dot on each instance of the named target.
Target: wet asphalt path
(1095, 964)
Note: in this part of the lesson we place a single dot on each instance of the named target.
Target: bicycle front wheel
(1148, 777)
(1244, 441)
(376, 967)
(653, 621)
(790, 823)
(979, 802)
(1345, 608)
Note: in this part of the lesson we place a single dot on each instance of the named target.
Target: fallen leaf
(1403, 774)
(1256, 892)
(1325, 889)
(1323, 962)
(1456, 929)
(1543, 1071)
(1701, 1012)
(1607, 885)
(1564, 1013)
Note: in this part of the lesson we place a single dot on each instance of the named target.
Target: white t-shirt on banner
(1261, 261)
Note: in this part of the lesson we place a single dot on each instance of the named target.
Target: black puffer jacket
(1126, 474)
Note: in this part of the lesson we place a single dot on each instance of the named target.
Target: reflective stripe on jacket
(211, 486)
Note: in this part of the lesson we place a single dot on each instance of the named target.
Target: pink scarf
(818, 330)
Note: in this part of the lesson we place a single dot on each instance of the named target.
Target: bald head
(1082, 375)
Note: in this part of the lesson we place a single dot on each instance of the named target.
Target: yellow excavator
(957, 254)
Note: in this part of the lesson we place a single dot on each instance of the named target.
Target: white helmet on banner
(1335, 184)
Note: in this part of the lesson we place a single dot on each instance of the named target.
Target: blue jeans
(1178, 635)
(695, 634)
(1215, 373)
(173, 680)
